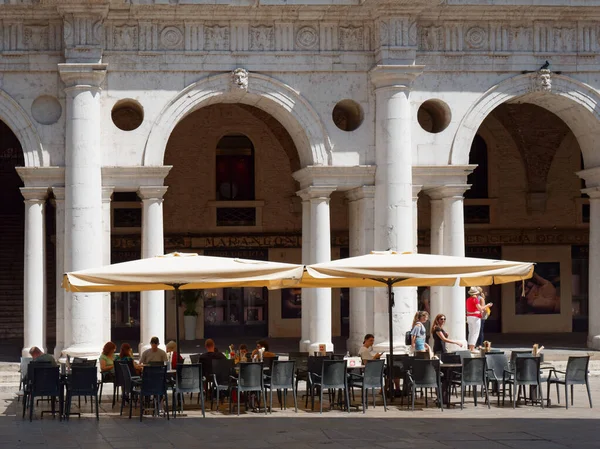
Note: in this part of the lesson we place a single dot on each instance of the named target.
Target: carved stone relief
(239, 79)
(36, 37)
(542, 81)
(261, 38)
(125, 37)
(432, 38)
(307, 38)
(476, 38)
(171, 38)
(216, 37)
(351, 38)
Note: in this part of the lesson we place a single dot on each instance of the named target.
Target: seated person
(39, 356)
(366, 352)
(107, 361)
(262, 344)
(175, 358)
(154, 354)
(126, 355)
(211, 354)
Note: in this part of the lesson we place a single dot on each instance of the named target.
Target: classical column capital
(360, 193)
(59, 193)
(416, 189)
(152, 192)
(591, 176)
(34, 194)
(316, 192)
(592, 192)
(395, 76)
(107, 192)
(84, 75)
(448, 191)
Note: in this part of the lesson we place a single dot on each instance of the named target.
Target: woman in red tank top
(474, 313)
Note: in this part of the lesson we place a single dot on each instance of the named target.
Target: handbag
(408, 338)
(486, 313)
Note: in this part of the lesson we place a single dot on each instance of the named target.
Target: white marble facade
(65, 65)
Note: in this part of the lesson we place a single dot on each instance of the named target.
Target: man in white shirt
(366, 351)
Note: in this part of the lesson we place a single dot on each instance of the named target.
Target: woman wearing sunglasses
(440, 336)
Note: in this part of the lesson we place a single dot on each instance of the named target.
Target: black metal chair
(526, 373)
(464, 354)
(130, 387)
(43, 380)
(118, 383)
(268, 361)
(426, 374)
(496, 365)
(250, 379)
(314, 367)
(370, 379)
(473, 374)
(575, 374)
(301, 359)
(189, 380)
(400, 370)
(221, 378)
(83, 381)
(333, 377)
(281, 379)
(154, 383)
(515, 354)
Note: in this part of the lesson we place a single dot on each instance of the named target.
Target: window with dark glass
(235, 169)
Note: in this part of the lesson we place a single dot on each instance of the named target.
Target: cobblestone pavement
(474, 427)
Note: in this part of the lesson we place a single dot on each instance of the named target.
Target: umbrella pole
(391, 335)
(176, 286)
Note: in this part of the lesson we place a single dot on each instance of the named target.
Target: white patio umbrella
(183, 271)
(412, 270)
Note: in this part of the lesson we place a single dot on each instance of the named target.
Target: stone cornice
(42, 176)
(342, 178)
(59, 193)
(107, 192)
(129, 179)
(82, 74)
(395, 76)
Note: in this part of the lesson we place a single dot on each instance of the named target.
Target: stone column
(436, 304)
(152, 307)
(360, 209)
(83, 201)
(393, 190)
(59, 207)
(415, 201)
(107, 192)
(34, 287)
(307, 292)
(320, 251)
(454, 298)
(594, 269)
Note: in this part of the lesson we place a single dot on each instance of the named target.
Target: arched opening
(536, 214)
(231, 193)
(12, 225)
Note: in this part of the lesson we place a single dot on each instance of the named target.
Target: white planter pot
(189, 324)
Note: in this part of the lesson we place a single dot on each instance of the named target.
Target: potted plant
(189, 299)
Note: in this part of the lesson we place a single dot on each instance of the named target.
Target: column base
(354, 343)
(314, 347)
(399, 347)
(304, 345)
(25, 351)
(90, 352)
(593, 341)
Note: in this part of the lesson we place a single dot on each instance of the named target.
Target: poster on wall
(541, 295)
(291, 303)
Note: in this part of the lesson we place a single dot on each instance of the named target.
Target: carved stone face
(240, 79)
(544, 80)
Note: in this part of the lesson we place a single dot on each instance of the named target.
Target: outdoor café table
(447, 369)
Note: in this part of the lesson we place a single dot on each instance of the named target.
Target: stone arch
(274, 97)
(16, 118)
(575, 102)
